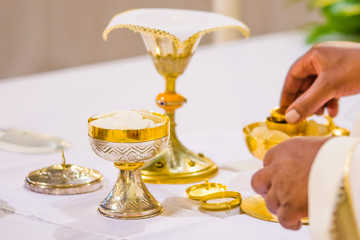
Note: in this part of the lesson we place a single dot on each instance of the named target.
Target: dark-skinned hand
(328, 71)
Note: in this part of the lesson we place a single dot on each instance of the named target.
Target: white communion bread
(123, 120)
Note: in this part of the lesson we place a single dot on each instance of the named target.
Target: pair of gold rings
(221, 206)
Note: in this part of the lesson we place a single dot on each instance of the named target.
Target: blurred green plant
(342, 21)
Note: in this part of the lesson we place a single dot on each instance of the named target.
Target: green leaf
(323, 3)
(345, 9)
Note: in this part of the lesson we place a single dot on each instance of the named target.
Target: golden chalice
(171, 37)
(262, 136)
(178, 164)
(130, 150)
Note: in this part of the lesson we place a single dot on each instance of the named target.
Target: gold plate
(198, 191)
(221, 206)
(255, 207)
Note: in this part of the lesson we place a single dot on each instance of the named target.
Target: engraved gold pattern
(129, 198)
(130, 152)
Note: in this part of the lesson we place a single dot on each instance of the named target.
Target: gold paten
(221, 206)
(130, 199)
(64, 179)
(171, 56)
(198, 191)
(255, 207)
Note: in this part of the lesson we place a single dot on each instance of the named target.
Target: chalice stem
(130, 198)
(177, 164)
(170, 83)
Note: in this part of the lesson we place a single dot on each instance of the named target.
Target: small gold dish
(255, 207)
(289, 129)
(221, 206)
(198, 191)
(276, 122)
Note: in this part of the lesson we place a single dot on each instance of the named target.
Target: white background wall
(42, 35)
(265, 16)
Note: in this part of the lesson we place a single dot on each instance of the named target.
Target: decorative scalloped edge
(163, 34)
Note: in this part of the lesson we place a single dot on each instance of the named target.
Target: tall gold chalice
(129, 150)
(171, 37)
(262, 136)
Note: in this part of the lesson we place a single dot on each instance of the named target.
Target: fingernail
(292, 117)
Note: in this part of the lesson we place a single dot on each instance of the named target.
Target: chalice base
(130, 199)
(179, 165)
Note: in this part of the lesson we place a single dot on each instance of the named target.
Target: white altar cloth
(227, 87)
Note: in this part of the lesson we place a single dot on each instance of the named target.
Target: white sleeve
(354, 178)
(325, 180)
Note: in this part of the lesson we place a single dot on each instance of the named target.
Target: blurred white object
(231, 8)
(24, 141)
(124, 120)
(183, 24)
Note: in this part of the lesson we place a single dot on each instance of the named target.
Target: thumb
(309, 102)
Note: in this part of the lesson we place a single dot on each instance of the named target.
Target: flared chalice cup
(129, 150)
(171, 37)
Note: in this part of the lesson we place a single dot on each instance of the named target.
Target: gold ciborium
(130, 150)
(262, 136)
(171, 37)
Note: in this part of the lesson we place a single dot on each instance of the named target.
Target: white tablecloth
(227, 86)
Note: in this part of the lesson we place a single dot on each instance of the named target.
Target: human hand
(283, 181)
(328, 71)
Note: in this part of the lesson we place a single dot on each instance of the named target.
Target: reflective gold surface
(178, 164)
(255, 207)
(259, 147)
(64, 179)
(289, 129)
(129, 198)
(221, 206)
(171, 57)
(137, 135)
(198, 191)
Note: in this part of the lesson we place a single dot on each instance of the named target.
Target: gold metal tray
(255, 207)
